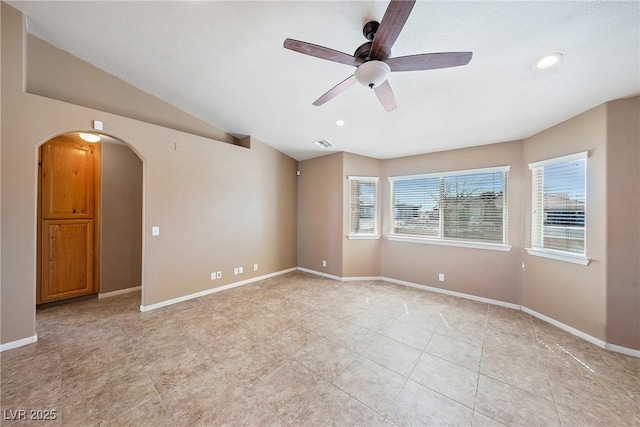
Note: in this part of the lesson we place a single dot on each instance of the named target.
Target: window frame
(558, 254)
(376, 207)
(503, 246)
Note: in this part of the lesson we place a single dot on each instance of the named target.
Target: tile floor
(303, 350)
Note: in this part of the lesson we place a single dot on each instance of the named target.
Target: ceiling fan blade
(336, 90)
(322, 52)
(429, 61)
(385, 96)
(393, 20)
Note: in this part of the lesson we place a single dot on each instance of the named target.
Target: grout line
(546, 370)
(349, 394)
(475, 397)
(300, 299)
(491, 418)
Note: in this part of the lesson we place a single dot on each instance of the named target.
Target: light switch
(97, 125)
(155, 231)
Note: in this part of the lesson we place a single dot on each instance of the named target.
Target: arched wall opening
(120, 225)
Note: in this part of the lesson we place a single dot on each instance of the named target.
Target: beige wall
(121, 218)
(320, 214)
(323, 217)
(1, 107)
(221, 206)
(57, 74)
(570, 293)
(480, 272)
(218, 205)
(623, 223)
(360, 258)
(601, 299)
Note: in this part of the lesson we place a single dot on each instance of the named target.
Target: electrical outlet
(213, 276)
(255, 267)
(441, 277)
(240, 270)
(324, 262)
(219, 275)
(235, 270)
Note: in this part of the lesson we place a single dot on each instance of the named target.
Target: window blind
(465, 206)
(559, 202)
(363, 212)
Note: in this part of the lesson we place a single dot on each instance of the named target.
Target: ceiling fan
(371, 59)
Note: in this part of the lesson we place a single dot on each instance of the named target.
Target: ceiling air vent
(323, 143)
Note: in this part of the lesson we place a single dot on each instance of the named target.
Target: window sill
(363, 236)
(473, 245)
(559, 256)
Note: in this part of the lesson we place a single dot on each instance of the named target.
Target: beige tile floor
(302, 350)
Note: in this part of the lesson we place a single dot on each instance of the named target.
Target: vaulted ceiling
(224, 62)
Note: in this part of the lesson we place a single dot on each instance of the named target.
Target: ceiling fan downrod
(369, 30)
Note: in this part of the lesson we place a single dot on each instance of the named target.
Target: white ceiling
(224, 62)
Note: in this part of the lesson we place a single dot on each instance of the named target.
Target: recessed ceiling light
(548, 61)
(339, 122)
(89, 137)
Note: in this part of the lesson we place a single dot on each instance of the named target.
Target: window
(464, 206)
(363, 212)
(559, 202)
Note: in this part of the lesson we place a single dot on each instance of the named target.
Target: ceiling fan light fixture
(372, 73)
(89, 137)
(548, 61)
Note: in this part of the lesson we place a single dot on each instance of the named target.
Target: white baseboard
(453, 293)
(319, 273)
(413, 285)
(623, 350)
(361, 278)
(564, 327)
(341, 279)
(119, 292)
(18, 343)
(213, 290)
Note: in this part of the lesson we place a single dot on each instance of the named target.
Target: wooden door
(68, 219)
(67, 251)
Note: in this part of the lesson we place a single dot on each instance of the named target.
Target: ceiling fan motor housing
(369, 31)
(363, 50)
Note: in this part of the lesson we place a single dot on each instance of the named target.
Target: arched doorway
(121, 217)
(100, 253)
